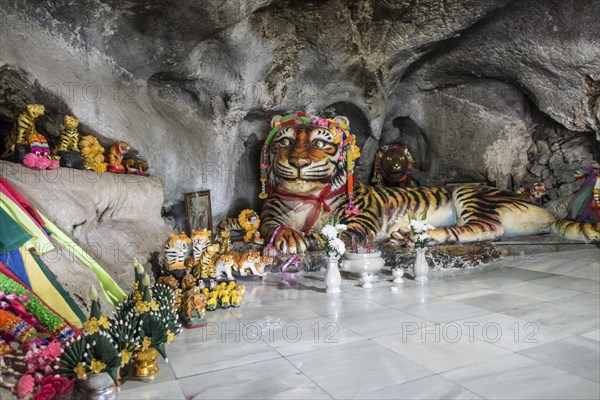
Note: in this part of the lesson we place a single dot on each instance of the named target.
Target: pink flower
(42, 163)
(25, 386)
(30, 160)
(67, 386)
(54, 164)
(46, 392)
(52, 351)
(58, 383)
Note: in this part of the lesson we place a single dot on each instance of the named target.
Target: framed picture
(198, 211)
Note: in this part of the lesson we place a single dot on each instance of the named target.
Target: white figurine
(367, 278)
(397, 273)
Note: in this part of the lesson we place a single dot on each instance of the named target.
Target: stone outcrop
(113, 217)
(474, 87)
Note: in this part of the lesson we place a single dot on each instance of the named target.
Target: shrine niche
(394, 167)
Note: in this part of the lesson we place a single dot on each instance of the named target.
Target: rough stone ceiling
(205, 76)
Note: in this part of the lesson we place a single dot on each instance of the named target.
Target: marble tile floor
(523, 327)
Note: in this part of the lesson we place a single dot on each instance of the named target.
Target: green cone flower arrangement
(93, 352)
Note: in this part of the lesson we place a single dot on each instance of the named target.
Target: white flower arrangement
(419, 229)
(333, 244)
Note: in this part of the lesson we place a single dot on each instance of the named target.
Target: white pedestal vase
(333, 278)
(421, 268)
(357, 263)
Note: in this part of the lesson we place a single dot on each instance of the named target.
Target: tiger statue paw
(290, 241)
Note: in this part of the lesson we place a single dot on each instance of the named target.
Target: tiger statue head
(35, 110)
(188, 282)
(212, 249)
(179, 240)
(306, 153)
(199, 238)
(395, 160)
(249, 220)
(253, 257)
(120, 148)
(169, 281)
(226, 260)
(70, 122)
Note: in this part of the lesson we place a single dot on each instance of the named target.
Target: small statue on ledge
(92, 153)
(68, 144)
(39, 155)
(15, 144)
(535, 192)
(393, 167)
(115, 157)
(135, 167)
(69, 137)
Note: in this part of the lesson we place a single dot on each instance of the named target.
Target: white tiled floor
(521, 328)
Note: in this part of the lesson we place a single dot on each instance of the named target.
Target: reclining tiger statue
(306, 176)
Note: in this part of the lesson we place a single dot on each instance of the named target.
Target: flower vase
(96, 387)
(421, 268)
(145, 362)
(333, 278)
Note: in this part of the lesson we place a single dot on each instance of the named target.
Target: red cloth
(316, 201)
(9, 190)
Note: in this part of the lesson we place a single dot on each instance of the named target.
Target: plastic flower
(170, 336)
(80, 371)
(97, 366)
(146, 343)
(142, 307)
(125, 357)
(52, 350)
(25, 385)
(329, 231)
(338, 246)
(91, 326)
(422, 237)
(46, 392)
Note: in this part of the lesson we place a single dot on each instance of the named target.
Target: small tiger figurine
(264, 261)
(246, 261)
(248, 221)
(202, 269)
(69, 137)
(200, 241)
(175, 250)
(224, 265)
(115, 155)
(193, 302)
(23, 128)
(225, 241)
(135, 167)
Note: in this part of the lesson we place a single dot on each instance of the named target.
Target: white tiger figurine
(175, 251)
(224, 265)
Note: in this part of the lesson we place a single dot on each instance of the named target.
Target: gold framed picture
(198, 211)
